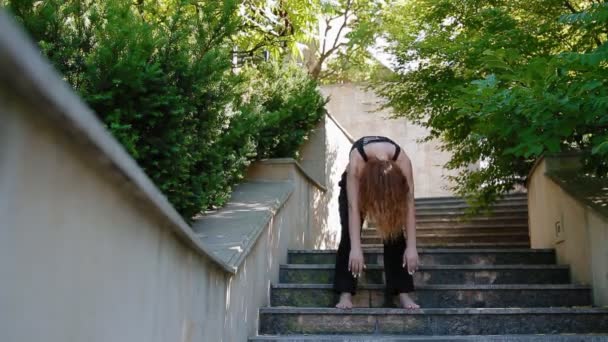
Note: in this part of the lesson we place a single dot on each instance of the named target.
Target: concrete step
(430, 256)
(519, 204)
(476, 221)
(460, 200)
(470, 245)
(438, 296)
(470, 225)
(499, 212)
(426, 238)
(471, 321)
(422, 338)
(372, 232)
(446, 221)
(436, 274)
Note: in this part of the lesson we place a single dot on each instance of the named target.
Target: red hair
(383, 194)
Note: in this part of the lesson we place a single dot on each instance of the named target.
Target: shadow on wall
(327, 237)
(325, 156)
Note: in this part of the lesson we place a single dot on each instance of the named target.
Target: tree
(348, 29)
(502, 82)
(331, 37)
(275, 28)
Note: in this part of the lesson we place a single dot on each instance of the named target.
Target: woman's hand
(410, 259)
(355, 262)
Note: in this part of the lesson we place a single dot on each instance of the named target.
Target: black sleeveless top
(359, 144)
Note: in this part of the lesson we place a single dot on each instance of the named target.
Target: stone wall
(90, 250)
(562, 216)
(357, 110)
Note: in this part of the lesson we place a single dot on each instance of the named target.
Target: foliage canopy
(503, 82)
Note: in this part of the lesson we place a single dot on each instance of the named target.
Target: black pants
(397, 278)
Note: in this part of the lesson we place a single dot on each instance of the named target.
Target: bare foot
(346, 301)
(407, 302)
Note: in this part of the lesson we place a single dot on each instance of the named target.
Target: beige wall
(90, 250)
(325, 156)
(83, 260)
(583, 238)
(357, 110)
(306, 206)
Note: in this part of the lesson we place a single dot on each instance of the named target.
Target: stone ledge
(464, 287)
(436, 250)
(564, 169)
(439, 311)
(435, 267)
(231, 232)
(589, 190)
(341, 128)
(291, 161)
(444, 338)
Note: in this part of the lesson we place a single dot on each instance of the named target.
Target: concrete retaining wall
(562, 220)
(90, 250)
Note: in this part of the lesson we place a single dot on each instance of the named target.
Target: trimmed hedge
(159, 75)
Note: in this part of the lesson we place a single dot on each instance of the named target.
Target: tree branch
(572, 9)
(252, 50)
(327, 28)
(344, 23)
(333, 49)
(570, 6)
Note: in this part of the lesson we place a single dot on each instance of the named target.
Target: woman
(377, 184)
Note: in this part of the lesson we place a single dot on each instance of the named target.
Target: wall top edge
(565, 170)
(340, 127)
(299, 168)
(232, 231)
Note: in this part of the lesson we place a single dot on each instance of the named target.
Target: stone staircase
(478, 281)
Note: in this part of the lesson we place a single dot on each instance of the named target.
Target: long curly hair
(383, 193)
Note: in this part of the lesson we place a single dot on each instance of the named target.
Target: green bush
(290, 104)
(159, 75)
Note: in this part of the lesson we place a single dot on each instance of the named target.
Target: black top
(359, 144)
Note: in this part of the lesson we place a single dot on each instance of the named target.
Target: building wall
(578, 234)
(357, 110)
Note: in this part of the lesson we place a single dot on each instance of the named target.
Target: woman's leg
(398, 280)
(344, 282)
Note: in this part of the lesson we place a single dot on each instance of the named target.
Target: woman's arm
(355, 264)
(410, 258)
(411, 205)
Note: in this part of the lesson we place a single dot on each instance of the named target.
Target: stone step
(460, 200)
(424, 212)
(457, 221)
(470, 245)
(436, 274)
(438, 296)
(468, 225)
(519, 204)
(471, 321)
(476, 221)
(426, 238)
(422, 338)
(438, 256)
(372, 232)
